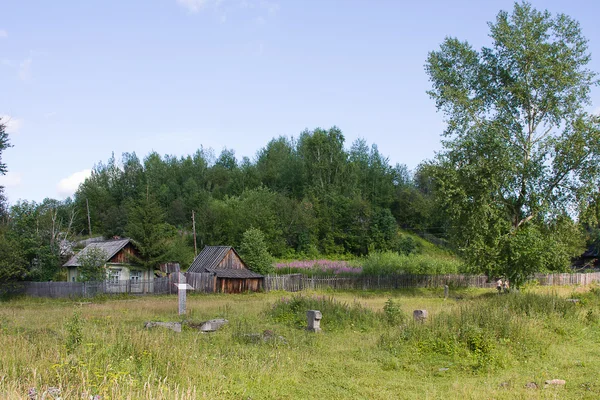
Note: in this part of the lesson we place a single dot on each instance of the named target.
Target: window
(135, 276)
(114, 275)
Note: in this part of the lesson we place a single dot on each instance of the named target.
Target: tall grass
(367, 350)
(389, 263)
(337, 315)
(490, 333)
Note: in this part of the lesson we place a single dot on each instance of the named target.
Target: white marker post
(182, 287)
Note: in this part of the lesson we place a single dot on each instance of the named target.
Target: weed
(74, 332)
(393, 313)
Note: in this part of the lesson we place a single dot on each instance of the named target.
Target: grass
(475, 345)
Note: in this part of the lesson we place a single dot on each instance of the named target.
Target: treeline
(309, 196)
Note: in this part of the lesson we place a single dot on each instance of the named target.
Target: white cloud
(193, 5)
(11, 180)
(3, 34)
(24, 71)
(13, 125)
(67, 186)
(270, 6)
(49, 114)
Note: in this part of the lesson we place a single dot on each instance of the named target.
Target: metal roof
(208, 261)
(110, 248)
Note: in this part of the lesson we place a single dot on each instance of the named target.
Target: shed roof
(110, 248)
(208, 261)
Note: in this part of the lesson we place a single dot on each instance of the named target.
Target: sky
(81, 80)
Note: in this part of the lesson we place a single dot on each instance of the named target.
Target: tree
(13, 265)
(4, 144)
(254, 252)
(91, 267)
(147, 227)
(521, 154)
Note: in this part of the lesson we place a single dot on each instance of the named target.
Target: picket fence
(206, 283)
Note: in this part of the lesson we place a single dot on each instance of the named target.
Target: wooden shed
(231, 273)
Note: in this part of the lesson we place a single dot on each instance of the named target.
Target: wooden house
(231, 273)
(122, 275)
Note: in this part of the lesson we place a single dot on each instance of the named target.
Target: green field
(476, 344)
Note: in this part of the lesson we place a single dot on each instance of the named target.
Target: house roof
(110, 248)
(208, 261)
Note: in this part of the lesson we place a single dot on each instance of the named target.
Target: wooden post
(194, 229)
(182, 287)
(88, 213)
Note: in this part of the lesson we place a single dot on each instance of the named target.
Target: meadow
(475, 345)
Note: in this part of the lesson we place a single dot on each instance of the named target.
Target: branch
(523, 221)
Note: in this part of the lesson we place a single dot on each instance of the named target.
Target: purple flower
(320, 266)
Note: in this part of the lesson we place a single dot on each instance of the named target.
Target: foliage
(389, 263)
(255, 253)
(475, 333)
(520, 152)
(309, 196)
(4, 144)
(150, 233)
(37, 230)
(406, 245)
(12, 263)
(74, 328)
(91, 267)
(393, 313)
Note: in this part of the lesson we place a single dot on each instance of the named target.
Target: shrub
(92, 265)
(74, 332)
(254, 251)
(393, 313)
(406, 245)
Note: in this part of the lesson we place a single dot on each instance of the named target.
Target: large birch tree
(521, 155)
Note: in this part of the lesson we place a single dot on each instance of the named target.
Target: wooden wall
(123, 256)
(231, 261)
(234, 285)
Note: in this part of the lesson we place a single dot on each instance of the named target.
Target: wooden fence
(296, 282)
(201, 282)
(206, 283)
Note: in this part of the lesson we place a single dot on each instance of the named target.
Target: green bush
(254, 251)
(74, 332)
(393, 313)
(406, 245)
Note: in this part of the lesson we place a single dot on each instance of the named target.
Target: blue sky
(83, 79)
